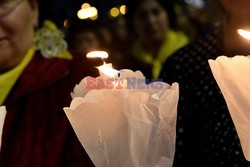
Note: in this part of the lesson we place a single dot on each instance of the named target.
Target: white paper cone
(2, 117)
(233, 78)
(136, 130)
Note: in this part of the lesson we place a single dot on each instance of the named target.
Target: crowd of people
(39, 68)
(142, 39)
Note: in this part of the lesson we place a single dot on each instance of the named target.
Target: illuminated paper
(126, 127)
(2, 118)
(233, 78)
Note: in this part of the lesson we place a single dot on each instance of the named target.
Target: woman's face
(16, 33)
(237, 8)
(151, 21)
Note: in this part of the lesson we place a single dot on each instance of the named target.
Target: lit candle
(106, 71)
(102, 116)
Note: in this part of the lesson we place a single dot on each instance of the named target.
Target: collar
(9, 78)
(173, 41)
(33, 73)
(39, 73)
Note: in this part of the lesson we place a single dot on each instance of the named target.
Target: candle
(117, 125)
(108, 70)
(108, 74)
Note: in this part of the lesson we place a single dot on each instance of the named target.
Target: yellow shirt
(173, 41)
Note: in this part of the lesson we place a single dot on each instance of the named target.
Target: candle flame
(108, 70)
(97, 54)
(245, 34)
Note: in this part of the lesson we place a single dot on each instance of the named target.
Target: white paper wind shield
(2, 118)
(233, 78)
(133, 128)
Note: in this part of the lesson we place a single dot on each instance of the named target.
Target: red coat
(37, 132)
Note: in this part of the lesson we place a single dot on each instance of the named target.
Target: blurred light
(92, 12)
(66, 23)
(114, 12)
(97, 54)
(87, 13)
(123, 9)
(85, 6)
(83, 14)
(199, 4)
(245, 34)
(189, 1)
(94, 17)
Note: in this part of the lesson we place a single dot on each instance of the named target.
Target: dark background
(59, 10)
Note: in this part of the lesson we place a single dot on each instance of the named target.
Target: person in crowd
(118, 27)
(121, 43)
(83, 36)
(192, 16)
(37, 74)
(156, 36)
(206, 135)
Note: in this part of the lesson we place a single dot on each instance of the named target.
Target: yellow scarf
(173, 41)
(9, 78)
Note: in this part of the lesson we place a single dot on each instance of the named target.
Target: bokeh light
(94, 17)
(85, 6)
(86, 13)
(83, 14)
(123, 9)
(114, 12)
(66, 23)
